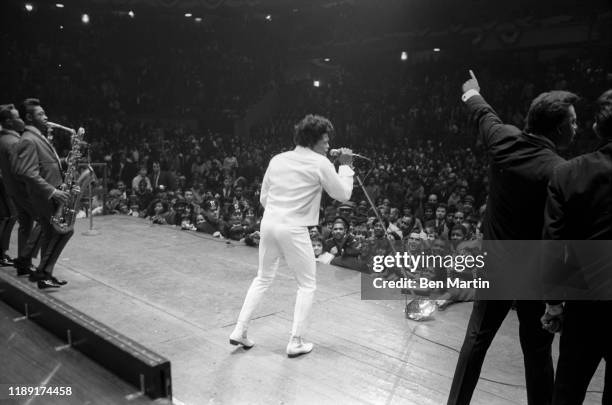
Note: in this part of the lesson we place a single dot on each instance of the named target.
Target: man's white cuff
(469, 94)
(345, 171)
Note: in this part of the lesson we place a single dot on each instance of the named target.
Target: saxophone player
(38, 169)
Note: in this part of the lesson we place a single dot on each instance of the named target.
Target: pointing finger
(472, 74)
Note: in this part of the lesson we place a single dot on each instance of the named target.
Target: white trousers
(293, 244)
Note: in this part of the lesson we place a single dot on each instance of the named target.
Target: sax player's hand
(60, 196)
(76, 190)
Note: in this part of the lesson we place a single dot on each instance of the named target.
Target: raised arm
(483, 116)
(338, 185)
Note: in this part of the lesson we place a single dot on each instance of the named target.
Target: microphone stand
(91, 231)
(409, 291)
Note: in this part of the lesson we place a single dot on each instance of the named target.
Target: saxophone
(65, 214)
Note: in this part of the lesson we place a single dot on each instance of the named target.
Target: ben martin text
(423, 282)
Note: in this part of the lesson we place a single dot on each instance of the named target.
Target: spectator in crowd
(142, 177)
(342, 245)
(160, 176)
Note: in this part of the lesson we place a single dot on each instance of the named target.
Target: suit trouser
(293, 244)
(28, 238)
(52, 244)
(486, 318)
(586, 339)
(6, 229)
(8, 217)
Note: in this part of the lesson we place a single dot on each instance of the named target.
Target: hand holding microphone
(345, 155)
(338, 152)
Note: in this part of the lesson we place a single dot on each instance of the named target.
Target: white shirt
(292, 186)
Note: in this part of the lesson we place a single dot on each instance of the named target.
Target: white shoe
(239, 337)
(297, 347)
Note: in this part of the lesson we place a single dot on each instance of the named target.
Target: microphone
(337, 152)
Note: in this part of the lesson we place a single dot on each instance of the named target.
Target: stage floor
(179, 293)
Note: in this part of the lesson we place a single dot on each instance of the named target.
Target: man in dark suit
(160, 176)
(15, 196)
(39, 170)
(522, 163)
(8, 214)
(579, 208)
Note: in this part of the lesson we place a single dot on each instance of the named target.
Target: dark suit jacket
(8, 188)
(579, 204)
(8, 140)
(579, 213)
(166, 179)
(521, 166)
(38, 170)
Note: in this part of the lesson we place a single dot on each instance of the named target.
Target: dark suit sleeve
(26, 166)
(555, 270)
(491, 130)
(554, 211)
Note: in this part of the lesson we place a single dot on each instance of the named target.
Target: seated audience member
(342, 245)
(212, 224)
(142, 197)
(191, 203)
(142, 176)
(235, 228)
(160, 176)
(158, 212)
(321, 256)
(346, 209)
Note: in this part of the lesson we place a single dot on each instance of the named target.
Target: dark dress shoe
(58, 282)
(44, 284)
(6, 261)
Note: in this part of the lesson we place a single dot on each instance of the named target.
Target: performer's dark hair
(27, 105)
(548, 111)
(310, 130)
(603, 114)
(5, 112)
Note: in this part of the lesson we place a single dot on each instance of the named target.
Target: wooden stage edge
(177, 293)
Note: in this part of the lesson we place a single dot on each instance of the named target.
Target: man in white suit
(291, 195)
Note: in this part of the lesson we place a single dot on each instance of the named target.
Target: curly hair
(311, 129)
